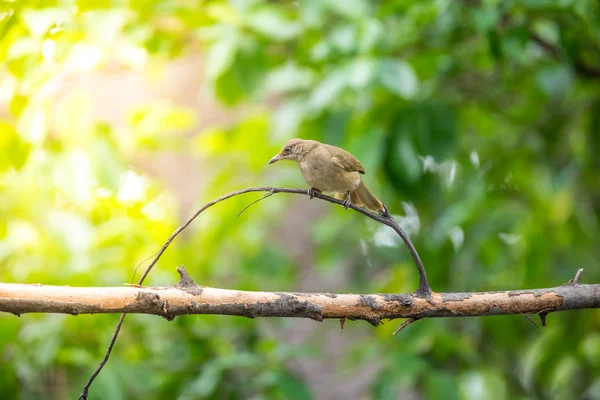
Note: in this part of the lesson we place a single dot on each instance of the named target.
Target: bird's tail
(363, 197)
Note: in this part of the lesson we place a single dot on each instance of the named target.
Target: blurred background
(478, 123)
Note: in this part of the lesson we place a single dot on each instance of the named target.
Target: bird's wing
(346, 161)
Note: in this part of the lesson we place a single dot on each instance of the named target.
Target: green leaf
(273, 24)
(17, 104)
(105, 25)
(33, 123)
(213, 371)
(6, 12)
(590, 349)
(398, 77)
(441, 386)
(290, 77)
(40, 21)
(246, 75)
(485, 18)
(73, 117)
(361, 73)
(354, 9)
(9, 333)
(92, 5)
(386, 386)
(286, 120)
(419, 131)
(436, 131)
(407, 159)
(555, 81)
(328, 90)
(321, 50)
(221, 56)
(109, 384)
(293, 388)
(13, 150)
(482, 385)
(367, 147)
(312, 12)
(409, 365)
(205, 384)
(343, 38)
(372, 33)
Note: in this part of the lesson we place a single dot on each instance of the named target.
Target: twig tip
(530, 319)
(405, 324)
(577, 278)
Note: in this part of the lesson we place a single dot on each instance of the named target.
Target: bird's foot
(346, 203)
(385, 212)
(312, 192)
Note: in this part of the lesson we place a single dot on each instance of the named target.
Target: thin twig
(423, 290)
(268, 194)
(531, 319)
(577, 278)
(140, 264)
(405, 324)
(86, 388)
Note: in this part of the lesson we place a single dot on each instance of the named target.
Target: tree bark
(187, 298)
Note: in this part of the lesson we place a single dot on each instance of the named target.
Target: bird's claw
(385, 212)
(312, 192)
(346, 203)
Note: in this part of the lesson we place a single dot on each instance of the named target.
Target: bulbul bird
(330, 169)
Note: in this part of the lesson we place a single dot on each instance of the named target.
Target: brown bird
(328, 168)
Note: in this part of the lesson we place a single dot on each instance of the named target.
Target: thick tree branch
(187, 298)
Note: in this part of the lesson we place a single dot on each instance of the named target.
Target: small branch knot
(577, 278)
(186, 283)
(543, 318)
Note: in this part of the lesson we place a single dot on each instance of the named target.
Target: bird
(330, 169)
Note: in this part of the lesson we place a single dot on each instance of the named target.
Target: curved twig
(424, 290)
(264, 196)
(86, 388)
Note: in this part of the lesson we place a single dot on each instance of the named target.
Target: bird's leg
(312, 192)
(346, 202)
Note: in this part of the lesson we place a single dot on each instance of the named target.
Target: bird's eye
(287, 150)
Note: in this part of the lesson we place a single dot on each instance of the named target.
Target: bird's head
(294, 149)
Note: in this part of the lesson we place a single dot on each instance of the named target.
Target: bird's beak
(275, 159)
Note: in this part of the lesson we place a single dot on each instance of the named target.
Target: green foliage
(484, 116)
